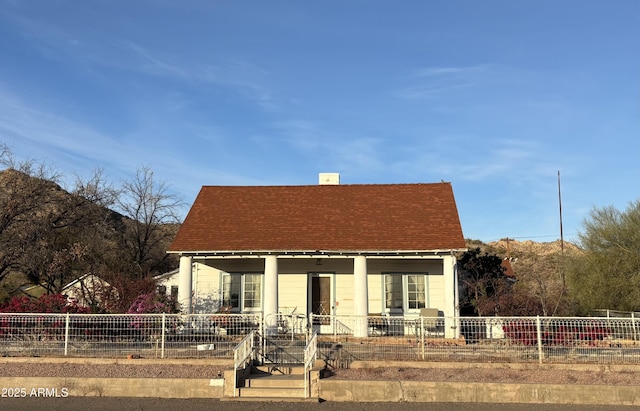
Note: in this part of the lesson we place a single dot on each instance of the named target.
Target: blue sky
(494, 96)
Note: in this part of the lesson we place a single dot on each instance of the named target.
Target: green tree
(607, 274)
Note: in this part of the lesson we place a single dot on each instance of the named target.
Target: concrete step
(271, 399)
(274, 381)
(278, 369)
(276, 393)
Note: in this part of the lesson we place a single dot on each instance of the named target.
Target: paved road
(153, 404)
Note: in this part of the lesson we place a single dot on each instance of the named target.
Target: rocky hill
(528, 249)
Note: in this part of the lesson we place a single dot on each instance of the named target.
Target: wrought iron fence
(341, 339)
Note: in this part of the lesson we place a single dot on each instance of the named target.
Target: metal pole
(66, 336)
(538, 327)
(562, 274)
(422, 336)
(164, 325)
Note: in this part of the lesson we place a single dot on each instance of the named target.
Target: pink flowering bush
(40, 327)
(47, 303)
(153, 303)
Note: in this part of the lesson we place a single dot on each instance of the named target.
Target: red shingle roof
(375, 217)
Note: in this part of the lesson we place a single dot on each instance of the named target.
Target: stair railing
(242, 354)
(310, 356)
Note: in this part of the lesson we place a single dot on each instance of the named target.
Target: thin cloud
(74, 148)
(449, 71)
(95, 51)
(426, 91)
(345, 152)
(37, 131)
(154, 65)
(433, 82)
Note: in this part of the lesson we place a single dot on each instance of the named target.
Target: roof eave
(315, 253)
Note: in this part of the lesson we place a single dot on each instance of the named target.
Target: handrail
(241, 353)
(310, 355)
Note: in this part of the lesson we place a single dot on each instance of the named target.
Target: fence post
(66, 336)
(633, 325)
(538, 327)
(422, 336)
(164, 326)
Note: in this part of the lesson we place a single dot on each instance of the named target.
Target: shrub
(525, 332)
(47, 303)
(153, 303)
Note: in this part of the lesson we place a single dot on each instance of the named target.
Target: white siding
(376, 299)
(344, 294)
(292, 293)
(206, 287)
(435, 299)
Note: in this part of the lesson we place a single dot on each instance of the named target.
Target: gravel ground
(493, 375)
(110, 370)
(600, 377)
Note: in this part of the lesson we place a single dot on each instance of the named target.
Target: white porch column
(271, 293)
(185, 281)
(360, 295)
(451, 309)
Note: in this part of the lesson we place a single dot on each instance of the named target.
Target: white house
(206, 289)
(86, 290)
(325, 249)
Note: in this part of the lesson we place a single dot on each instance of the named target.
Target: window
(231, 291)
(247, 286)
(405, 292)
(415, 292)
(393, 290)
(252, 291)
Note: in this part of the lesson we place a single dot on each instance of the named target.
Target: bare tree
(539, 278)
(153, 210)
(24, 210)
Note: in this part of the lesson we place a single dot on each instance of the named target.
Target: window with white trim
(242, 291)
(405, 292)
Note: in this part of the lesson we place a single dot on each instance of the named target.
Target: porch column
(360, 295)
(185, 281)
(450, 309)
(271, 293)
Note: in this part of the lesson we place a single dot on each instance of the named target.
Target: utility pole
(562, 276)
(560, 204)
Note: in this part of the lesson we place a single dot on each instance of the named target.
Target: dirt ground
(598, 375)
(494, 375)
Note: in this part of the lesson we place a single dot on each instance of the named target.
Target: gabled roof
(372, 217)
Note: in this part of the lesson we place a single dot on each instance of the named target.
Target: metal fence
(148, 335)
(481, 339)
(341, 339)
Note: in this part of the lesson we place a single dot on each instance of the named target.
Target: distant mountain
(506, 248)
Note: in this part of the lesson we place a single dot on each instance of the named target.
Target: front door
(322, 301)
